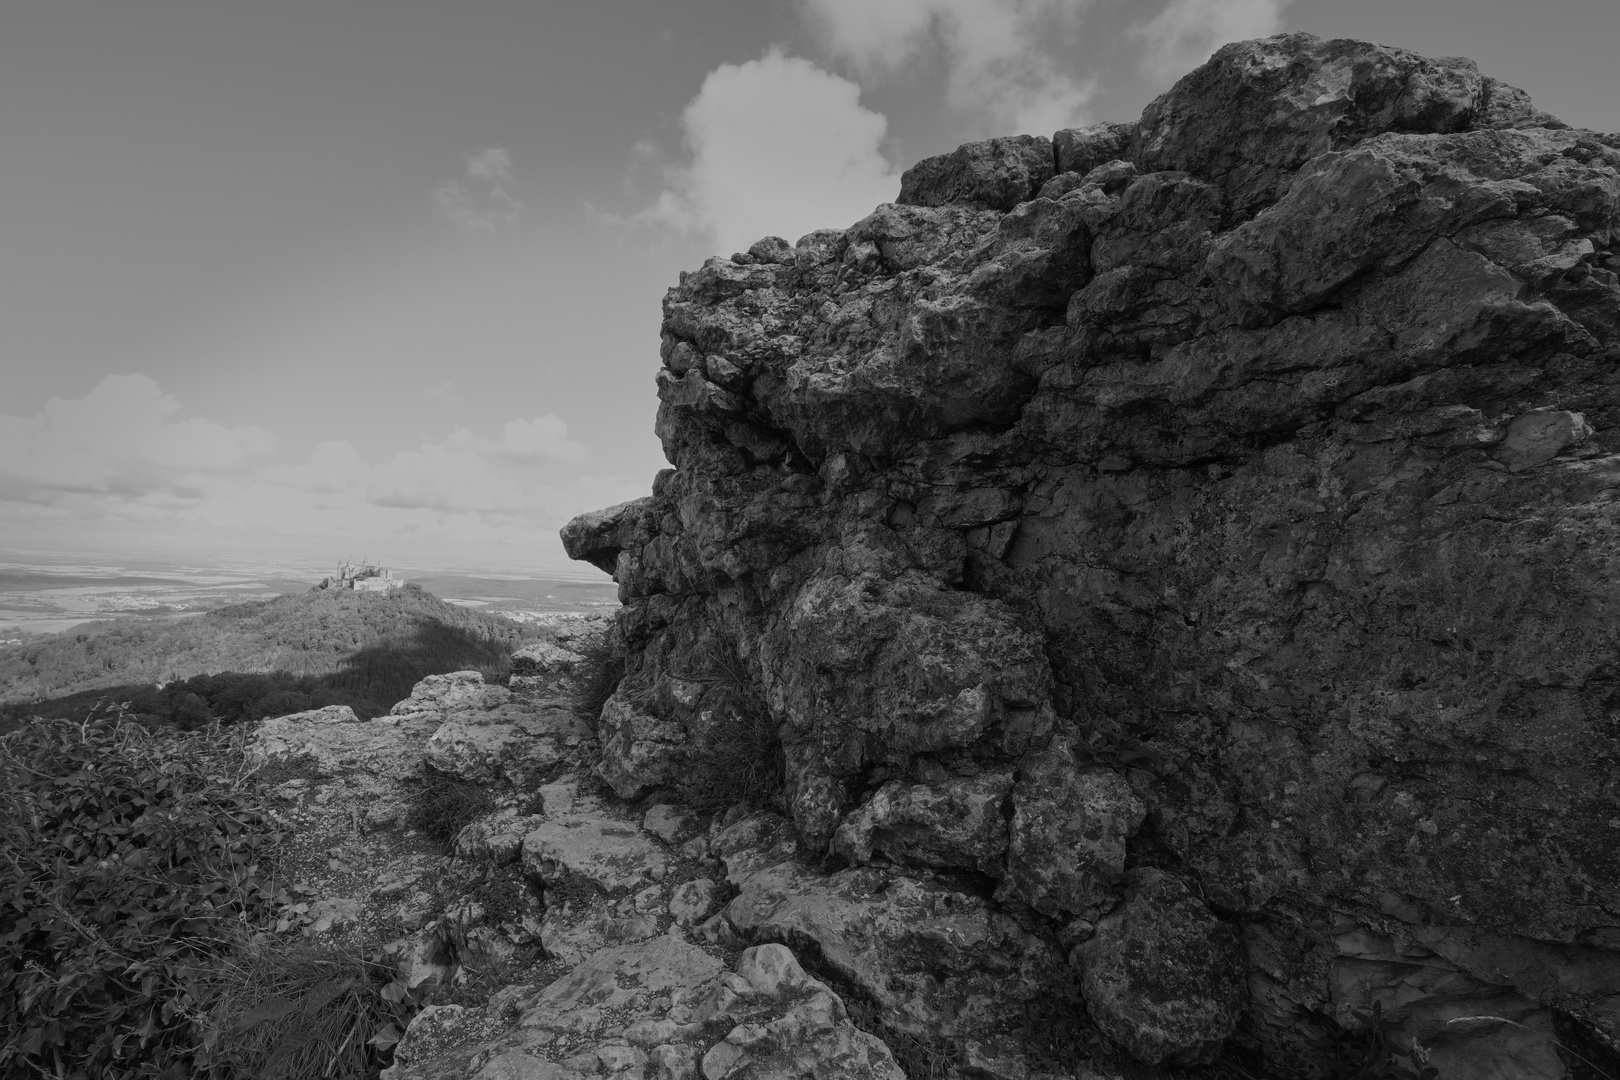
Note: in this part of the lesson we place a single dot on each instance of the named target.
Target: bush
(136, 896)
(128, 863)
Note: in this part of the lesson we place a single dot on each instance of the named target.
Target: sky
(381, 279)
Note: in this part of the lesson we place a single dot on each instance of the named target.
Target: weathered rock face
(1231, 494)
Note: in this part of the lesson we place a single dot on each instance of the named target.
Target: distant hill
(263, 658)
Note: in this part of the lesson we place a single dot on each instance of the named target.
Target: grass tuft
(738, 759)
(597, 675)
(291, 1010)
(444, 804)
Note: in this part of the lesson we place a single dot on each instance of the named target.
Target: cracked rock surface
(1177, 555)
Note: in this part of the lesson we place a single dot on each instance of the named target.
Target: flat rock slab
(512, 741)
(613, 855)
(353, 762)
(666, 1009)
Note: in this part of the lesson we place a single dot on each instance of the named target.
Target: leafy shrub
(136, 894)
(129, 862)
(444, 804)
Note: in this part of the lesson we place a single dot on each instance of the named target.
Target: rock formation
(1178, 559)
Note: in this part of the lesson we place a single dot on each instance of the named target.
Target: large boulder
(486, 733)
(1239, 482)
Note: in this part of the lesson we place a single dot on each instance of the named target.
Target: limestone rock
(1161, 975)
(671, 824)
(541, 659)
(693, 901)
(812, 1035)
(1080, 150)
(613, 856)
(448, 693)
(997, 173)
(358, 764)
(431, 1027)
(511, 744)
(1247, 489)
(954, 823)
(495, 840)
(1068, 831)
(666, 1009)
(485, 733)
(937, 962)
(640, 751)
(1425, 992)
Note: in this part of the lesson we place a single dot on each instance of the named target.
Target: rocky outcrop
(562, 934)
(1197, 536)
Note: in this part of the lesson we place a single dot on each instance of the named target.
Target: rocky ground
(568, 933)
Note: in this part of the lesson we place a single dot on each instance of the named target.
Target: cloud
(543, 438)
(1185, 33)
(1006, 61)
(119, 466)
(483, 201)
(120, 439)
(774, 147)
(493, 165)
(443, 391)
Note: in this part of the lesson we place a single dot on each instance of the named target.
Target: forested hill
(365, 650)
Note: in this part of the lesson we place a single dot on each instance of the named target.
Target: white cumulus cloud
(1008, 62)
(122, 438)
(543, 438)
(774, 147)
(1186, 32)
(482, 200)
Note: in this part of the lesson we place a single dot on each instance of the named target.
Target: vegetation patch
(738, 758)
(444, 804)
(288, 1010)
(597, 674)
(137, 897)
(266, 658)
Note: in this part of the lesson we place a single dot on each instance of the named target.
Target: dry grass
(597, 675)
(444, 804)
(292, 1010)
(739, 758)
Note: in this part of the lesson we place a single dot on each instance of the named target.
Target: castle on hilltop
(362, 577)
